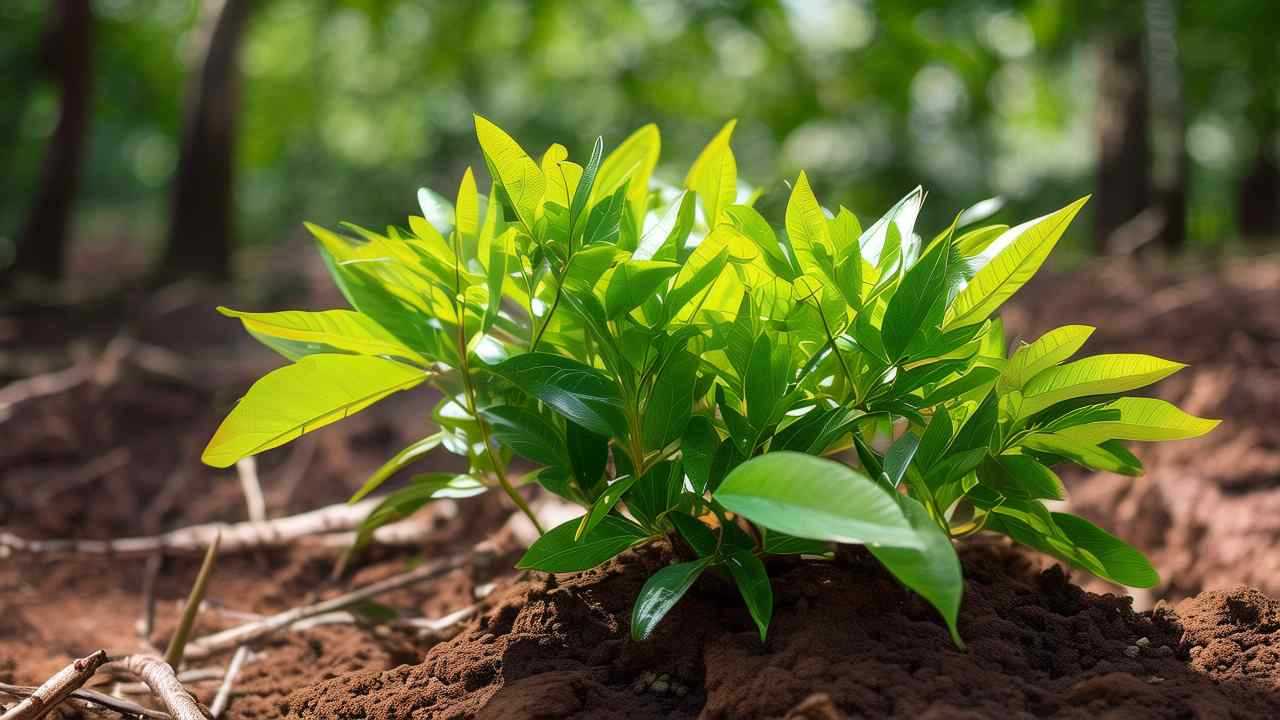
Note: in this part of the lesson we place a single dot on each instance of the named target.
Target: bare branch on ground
(164, 685)
(94, 697)
(57, 688)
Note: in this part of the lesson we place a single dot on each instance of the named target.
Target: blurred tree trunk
(67, 52)
(1123, 187)
(1259, 190)
(201, 221)
(1172, 163)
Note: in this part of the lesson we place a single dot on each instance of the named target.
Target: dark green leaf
(582, 394)
(660, 593)
(527, 434)
(558, 552)
(697, 449)
(753, 582)
(603, 504)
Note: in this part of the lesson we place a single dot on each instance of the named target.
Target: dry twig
(247, 469)
(224, 691)
(186, 677)
(250, 632)
(164, 685)
(57, 688)
(123, 707)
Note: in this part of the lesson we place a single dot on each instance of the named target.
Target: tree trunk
(1172, 163)
(201, 222)
(1259, 192)
(68, 54)
(1123, 187)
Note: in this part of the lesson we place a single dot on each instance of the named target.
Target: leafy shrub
(673, 364)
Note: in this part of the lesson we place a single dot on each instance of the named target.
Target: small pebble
(681, 691)
(1143, 642)
(660, 687)
(1164, 651)
(1132, 651)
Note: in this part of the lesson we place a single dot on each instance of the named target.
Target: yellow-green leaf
(1097, 375)
(467, 209)
(296, 334)
(807, 227)
(1007, 264)
(518, 174)
(714, 175)
(296, 399)
(1052, 348)
(631, 162)
(1142, 419)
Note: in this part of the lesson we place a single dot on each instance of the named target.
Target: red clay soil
(846, 640)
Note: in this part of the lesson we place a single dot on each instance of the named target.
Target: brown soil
(119, 457)
(846, 640)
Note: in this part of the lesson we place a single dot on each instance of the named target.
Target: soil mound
(846, 641)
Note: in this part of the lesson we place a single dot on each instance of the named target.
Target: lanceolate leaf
(580, 393)
(558, 552)
(714, 175)
(814, 498)
(632, 162)
(633, 282)
(513, 169)
(397, 463)
(408, 500)
(807, 227)
(296, 399)
(296, 334)
(922, 288)
(661, 593)
(753, 582)
(1096, 375)
(527, 434)
(1141, 419)
(1010, 261)
(604, 504)
(1052, 348)
(932, 570)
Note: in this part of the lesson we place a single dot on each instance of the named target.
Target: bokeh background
(162, 136)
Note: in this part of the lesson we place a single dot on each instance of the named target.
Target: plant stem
(554, 304)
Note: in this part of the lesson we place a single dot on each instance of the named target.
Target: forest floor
(106, 411)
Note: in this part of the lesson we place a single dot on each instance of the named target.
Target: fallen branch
(164, 684)
(57, 688)
(247, 469)
(186, 677)
(250, 632)
(94, 697)
(197, 538)
(224, 691)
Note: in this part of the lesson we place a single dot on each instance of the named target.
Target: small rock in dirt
(1164, 651)
(1132, 651)
(1143, 642)
(680, 690)
(660, 687)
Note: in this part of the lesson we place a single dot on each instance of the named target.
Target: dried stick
(164, 684)
(247, 469)
(173, 655)
(123, 707)
(57, 688)
(249, 632)
(224, 692)
(197, 538)
(186, 677)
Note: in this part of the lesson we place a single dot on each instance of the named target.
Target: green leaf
(807, 228)
(527, 434)
(604, 504)
(695, 532)
(1019, 476)
(557, 551)
(296, 334)
(513, 169)
(898, 457)
(1141, 419)
(661, 593)
(934, 441)
(1090, 455)
(815, 498)
(1096, 375)
(975, 241)
(765, 383)
(296, 399)
(589, 456)
(779, 543)
(585, 188)
(923, 287)
(697, 449)
(670, 402)
(656, 492)
(753, 582)
(406, 501)
(632, 163)
(579, 392)
(1081, 543)
(669, 234)
(714, 175)
(395, 464)
(1007, 264)
(880, 243)
(633, 282)
(436, 209)
(754, 227)
(932, 570)
(1052, 348)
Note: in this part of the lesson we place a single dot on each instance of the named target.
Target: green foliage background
(348, 103)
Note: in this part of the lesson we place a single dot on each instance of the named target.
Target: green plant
(687, 374)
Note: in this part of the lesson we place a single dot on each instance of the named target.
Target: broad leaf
(933, 570)
(633, 282)
(527, 434)
(1053, 347)
(296, 334)
(923, 287)
(714, 175)
(819, 499)
(422, 489)
(807, 228)
(604, 504)
(753, 582)
(632, 163)
(1020, 476)
(516, 172)
(1141, 419)
(296, 399)
(396, 464)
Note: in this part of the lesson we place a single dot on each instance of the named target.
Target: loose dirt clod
(1038, 646)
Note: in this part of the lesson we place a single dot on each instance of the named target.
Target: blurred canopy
(345, 107)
